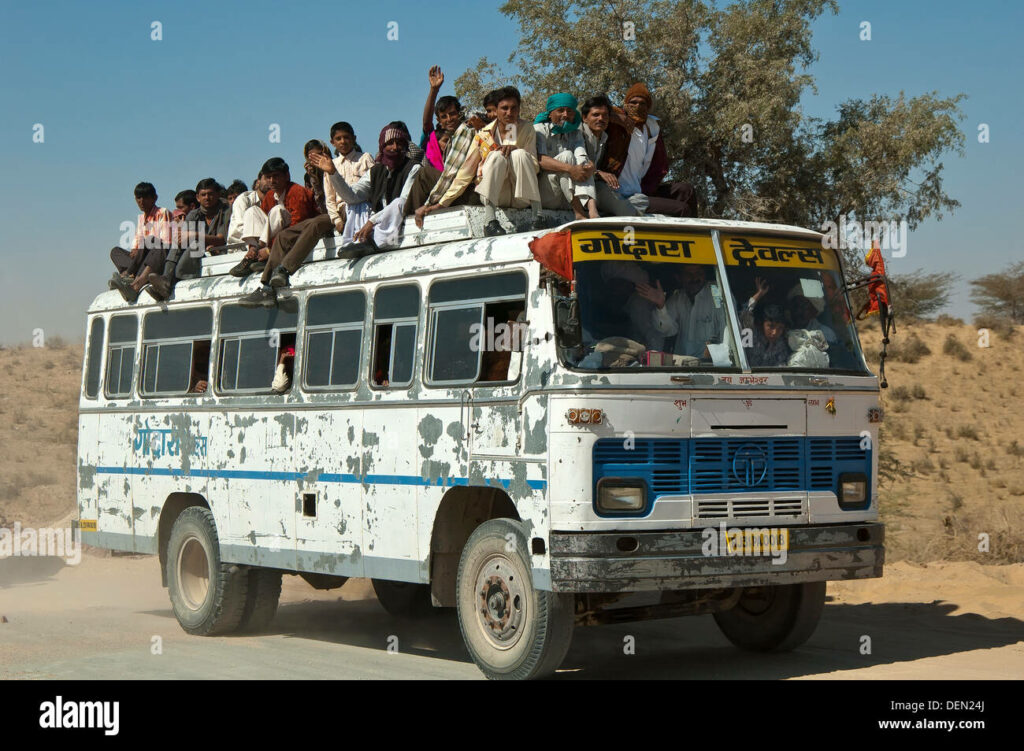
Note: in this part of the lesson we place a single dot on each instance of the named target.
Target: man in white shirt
(243, 202)
(695, 312)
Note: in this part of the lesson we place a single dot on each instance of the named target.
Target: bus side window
(92, 366)
(251, 344)
(199, 381)
(121, 356)
(334, 338)
(467, 344)
(395, 317)
(168, 342)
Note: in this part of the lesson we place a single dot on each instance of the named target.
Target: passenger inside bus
(382, 356)
(497, 362)
(694, 312)
(199, 381)
(285, 365)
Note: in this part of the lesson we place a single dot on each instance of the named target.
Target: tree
(920, 294)
(1001, 295)
(727, 85)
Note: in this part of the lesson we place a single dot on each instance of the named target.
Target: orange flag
(554, 251)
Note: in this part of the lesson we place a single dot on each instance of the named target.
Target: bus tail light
(853, 491)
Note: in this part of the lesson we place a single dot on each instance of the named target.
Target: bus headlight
(853, 491)
(618, 495)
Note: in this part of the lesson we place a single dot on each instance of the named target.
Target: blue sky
(118, 107)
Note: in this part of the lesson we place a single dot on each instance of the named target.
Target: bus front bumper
(688, 559)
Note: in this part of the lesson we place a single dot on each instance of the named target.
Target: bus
(619, 419)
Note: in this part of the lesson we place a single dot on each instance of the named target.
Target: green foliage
(920, 294)
(1001, 295)
(715, 72)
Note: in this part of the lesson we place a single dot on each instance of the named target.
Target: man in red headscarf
(636, 155)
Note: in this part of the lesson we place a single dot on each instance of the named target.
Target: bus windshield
(659, 302)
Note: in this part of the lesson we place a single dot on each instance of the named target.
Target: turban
(561, 100)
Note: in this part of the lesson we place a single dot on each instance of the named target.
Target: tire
(261, 598)
(773, 619)
(207, 595)
(512, 630)
(404, 599)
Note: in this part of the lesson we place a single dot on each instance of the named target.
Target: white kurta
(695, 323)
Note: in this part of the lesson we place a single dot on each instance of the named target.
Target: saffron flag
(554, 251)
(878, 292)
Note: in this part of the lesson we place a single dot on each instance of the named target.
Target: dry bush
(944, 319)
(910, 350)
(997, 324)
(967, 431)
(955, 348)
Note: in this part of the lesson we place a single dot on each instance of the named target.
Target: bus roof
(432, 249)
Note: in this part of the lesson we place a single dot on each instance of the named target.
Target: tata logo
(750, 465)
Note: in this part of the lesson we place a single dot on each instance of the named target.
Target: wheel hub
(501, 602)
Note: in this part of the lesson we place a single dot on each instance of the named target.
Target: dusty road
(105, 618)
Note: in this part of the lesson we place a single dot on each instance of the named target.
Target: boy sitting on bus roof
(152, 238)
(287, 203)
(432, 190)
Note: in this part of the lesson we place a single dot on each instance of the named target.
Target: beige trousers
(511, 182)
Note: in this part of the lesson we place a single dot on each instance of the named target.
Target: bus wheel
(403, 599)
(511, 629)
(208, 596)
(262, 595)
(778, 618)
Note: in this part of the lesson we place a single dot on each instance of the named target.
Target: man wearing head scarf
(566, 173)
(636, 155)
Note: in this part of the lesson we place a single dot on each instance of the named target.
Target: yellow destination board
(629, 245)
(764, 251)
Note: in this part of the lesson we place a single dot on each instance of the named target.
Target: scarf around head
(561, 100)
(392, 133)
(639, 89)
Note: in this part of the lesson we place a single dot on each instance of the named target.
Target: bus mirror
(567, 322)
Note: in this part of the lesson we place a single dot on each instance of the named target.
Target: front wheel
(511, 629)
(773, 619)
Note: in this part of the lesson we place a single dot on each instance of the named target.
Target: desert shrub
(955, 348)
(967, 431)
(996, 324)
(910, 350)
(919, 392)
(944, 319)
(900, 394)
(1015, 449)
(921, 294)
(960, 455)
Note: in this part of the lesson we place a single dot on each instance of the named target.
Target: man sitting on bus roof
(695, 312)
(641, 162)
(207, 229)
(245, 201)
(152, 239)
(595, 129)
(287, 203)
(503, 162)
(566, 172)
(432, 190)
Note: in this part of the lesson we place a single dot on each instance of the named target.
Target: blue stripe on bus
(245, 474)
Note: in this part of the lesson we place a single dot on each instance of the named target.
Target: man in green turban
(567, 175)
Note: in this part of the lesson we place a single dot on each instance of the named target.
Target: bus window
(334, 337)
(791, 308)
(199, 381)
(466, 340)
(252, 341)
(168, 340)
(395, 315)
(92, 367)
(121, 356)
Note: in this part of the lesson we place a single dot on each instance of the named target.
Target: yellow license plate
(756, 541)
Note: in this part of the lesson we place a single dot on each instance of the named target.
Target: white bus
(621, 461)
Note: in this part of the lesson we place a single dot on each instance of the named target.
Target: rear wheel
(207, 595)
(511, 629)
(262, 596)
(403, 599)
(773, 619)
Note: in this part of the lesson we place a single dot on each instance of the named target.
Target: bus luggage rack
(700, 466)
